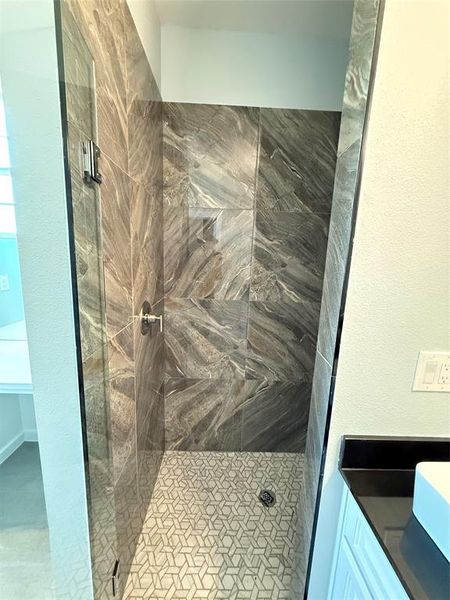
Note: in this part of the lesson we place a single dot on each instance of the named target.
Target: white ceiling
(331, 18)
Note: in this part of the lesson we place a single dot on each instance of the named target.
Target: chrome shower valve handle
(147, 318)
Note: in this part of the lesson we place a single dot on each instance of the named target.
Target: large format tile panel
(102, 26)
(116, 236)
(205, 339)
(210, 154)
(207, 252)
(281, 340)
(289, 256)
(297, 160)
(122, 402)
(204, 414)
(275, 415)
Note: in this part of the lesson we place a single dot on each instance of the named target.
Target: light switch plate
(432, 372)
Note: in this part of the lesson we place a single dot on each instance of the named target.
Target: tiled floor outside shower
(207, 535)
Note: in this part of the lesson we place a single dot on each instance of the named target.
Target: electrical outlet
(444, 375)
(432, 372)
(4, 283)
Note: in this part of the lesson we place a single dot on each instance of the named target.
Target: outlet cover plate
(432, 372)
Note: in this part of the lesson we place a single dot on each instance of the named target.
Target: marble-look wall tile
(339, 239)
(102, 26)
(147, 244)
(205, 338)
(116, 237)
(89, 258)
(79, 76)
(210, 155)
(297, 160)
(207, 252)
(127, 515)
(113, 99)
(357, 76)
(275, 415)
(144, 110)
(204, 414)
(289, 256)
(122, 402)
(281, 340)
(364, 26)
(102, 530)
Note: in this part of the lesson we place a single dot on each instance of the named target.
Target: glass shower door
(77, 74)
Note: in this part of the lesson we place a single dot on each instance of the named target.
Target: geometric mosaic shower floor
(206, 534)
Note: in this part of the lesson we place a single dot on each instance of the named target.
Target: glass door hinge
(91, 154)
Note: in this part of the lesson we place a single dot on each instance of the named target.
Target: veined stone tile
(205, 338)
(89, 262)
(281, 340)
(147, 244)
(207, 252)
(204, 414)
(210, 154)
(289, 256)
(115, 201)
(144, 111)
(338, 249)
(79, 73)
(297, 160)
(122, 401)
(275, 416)
(357, 77)
(102, 26)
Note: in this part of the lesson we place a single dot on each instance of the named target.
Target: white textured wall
(398, 297)
(252, 69)
(147, 24)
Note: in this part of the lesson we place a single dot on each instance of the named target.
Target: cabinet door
(348, 582)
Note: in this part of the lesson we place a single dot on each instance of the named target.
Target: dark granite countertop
(380, 474)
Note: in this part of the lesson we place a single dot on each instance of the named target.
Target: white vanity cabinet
(361, 570)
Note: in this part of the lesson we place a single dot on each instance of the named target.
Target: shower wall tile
(86, 218)
(358, 72)
(275, 415)
(96, 405)
(150, 444)
(210, 155)
(147, 244)
(112, 98)
(204, 414)
(127, 515)
(339, 239)
(281, 340)
(244, 254)
(102, 26)
(364, 26)
(115, 200)
(207, 252)
(79, 74)
(289, 256)
(122, 402)
(205, 339)
(297, 160)
(144, 112)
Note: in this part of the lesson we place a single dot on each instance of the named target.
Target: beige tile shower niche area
(214, 205)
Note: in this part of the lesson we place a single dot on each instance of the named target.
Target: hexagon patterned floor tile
(207, 535)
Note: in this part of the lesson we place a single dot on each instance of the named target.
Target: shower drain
(267, 497)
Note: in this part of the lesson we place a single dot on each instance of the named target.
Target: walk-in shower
(215, 217)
